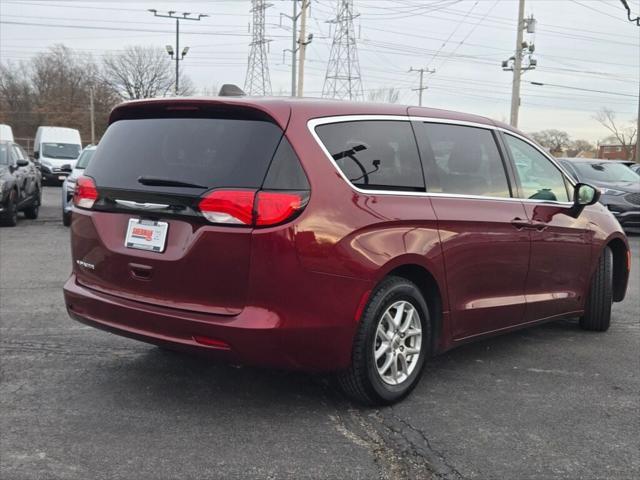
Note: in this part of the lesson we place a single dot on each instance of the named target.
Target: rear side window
(285, 172)
(462, 160)
(212, 152)
(375, 154)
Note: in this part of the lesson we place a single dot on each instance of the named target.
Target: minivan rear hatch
(145, 237)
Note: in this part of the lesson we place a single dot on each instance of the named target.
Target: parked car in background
(57, 149)
(20, 184)
(332, 236)
(619, 186)
(6, 133)
(635, 167)
(69, 183)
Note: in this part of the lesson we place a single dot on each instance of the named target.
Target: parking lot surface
(76, 403)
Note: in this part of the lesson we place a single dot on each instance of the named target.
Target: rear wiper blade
(167, 182)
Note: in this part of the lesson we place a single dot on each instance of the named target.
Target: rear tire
(365, 380)
(597, 313)
(66, 218)
(33, 210)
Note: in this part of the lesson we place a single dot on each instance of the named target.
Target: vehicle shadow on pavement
(198, 380)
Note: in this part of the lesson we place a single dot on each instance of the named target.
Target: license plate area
(146, 235)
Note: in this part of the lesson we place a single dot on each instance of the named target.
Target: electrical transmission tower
(343, 71)
(257, 81)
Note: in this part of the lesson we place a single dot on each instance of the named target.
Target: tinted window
(213, 152)
(375, 154)
(67, 151)
(462, 160)
(285, 172)
(539, 178)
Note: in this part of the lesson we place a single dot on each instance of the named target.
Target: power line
(342, 79)
(257, 80)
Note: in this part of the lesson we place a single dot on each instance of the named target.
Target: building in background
(615, 151)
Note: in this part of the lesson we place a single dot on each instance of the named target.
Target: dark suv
(619, 187)
(327, 236)
(20, 184)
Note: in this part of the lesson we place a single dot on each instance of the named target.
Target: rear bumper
(256, 336)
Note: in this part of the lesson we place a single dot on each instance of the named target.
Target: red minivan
(318, 235)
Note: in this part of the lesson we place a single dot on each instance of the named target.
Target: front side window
(539, 178)
(375, 154)
(4, 154)
(462, 160)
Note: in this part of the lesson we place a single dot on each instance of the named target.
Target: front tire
(390, 346)
(597, 313)
(10, 218)
(66, 218)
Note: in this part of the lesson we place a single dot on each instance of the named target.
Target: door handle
(539, 226)
(519, 223)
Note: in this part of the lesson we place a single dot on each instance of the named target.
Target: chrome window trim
(313, 123)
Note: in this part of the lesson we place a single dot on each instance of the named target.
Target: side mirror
(22, 163)
(36, 155)
(583, 196)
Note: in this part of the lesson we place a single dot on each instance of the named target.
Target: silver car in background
(68, 187)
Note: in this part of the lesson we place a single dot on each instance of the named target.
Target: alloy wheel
(398, 342)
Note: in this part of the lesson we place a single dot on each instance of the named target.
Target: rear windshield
(85, 156)
(212, 152)
(67, 151)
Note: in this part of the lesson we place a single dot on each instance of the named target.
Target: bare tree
(577, 146)
(53, 89)
(142, 72)
(384, 95)
(554, 140)
(625, 134)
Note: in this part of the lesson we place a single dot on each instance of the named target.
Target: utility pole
(296, 44)
(178, 56)
(422, 71)
(343, 80)
(258, 81)
(515, 64)
(92, 112)
(303, 41)
(515, 86)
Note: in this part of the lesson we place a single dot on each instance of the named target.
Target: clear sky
(579, 43)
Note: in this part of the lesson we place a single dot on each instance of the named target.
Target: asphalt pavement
(77, 403)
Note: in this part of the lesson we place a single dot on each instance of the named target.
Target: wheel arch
(620, 251)
(432, 292)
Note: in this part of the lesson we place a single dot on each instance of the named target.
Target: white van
(57, 149)
(6, 133)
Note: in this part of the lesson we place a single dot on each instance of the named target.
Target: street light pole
(178, 55)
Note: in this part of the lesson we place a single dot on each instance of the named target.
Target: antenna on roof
(231, 90)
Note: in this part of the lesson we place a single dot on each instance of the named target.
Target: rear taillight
(85, 193)
(246, 207)
(276, 207)
(228, 206)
